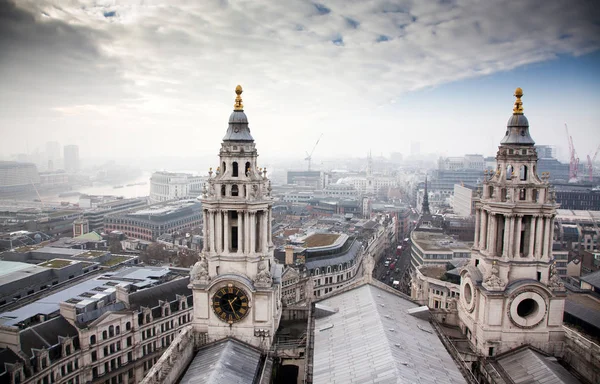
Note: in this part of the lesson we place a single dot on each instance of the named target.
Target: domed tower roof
(238, 122)
(517, 128)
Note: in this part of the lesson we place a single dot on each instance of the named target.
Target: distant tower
(71, 158)
(370, 187)
(425, 210)
(81, 226)
(235, 294)
(510, 293)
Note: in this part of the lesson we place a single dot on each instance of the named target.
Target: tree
(114, 245)
(156, 252)
(188, 257)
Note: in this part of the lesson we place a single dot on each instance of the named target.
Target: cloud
(176, 63)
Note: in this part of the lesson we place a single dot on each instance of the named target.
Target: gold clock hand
(231, 306)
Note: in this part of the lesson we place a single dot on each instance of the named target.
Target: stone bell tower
(510, 293)
(235, 291)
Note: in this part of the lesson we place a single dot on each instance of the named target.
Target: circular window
(468, 293)
(527, 308)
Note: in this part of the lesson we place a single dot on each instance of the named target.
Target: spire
(517, 128)
(238, 106)
(238, 122)
(425, 209)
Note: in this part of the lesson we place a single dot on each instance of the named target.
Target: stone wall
(174, 360)
(583, 355)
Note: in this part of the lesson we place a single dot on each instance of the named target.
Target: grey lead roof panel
(531, 367)
(372, 339)
(228, 362)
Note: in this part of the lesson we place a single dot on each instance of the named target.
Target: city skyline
(156, 80)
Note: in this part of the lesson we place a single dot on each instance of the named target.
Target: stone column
(226, 231)
(483, 230)
(511, 236)
(539, 235)
(492, 235)
(247, 233)
(532, 236)
(252, 232)
(545, 250)
(219, 231)
(477, 229)
(269, 228)
(506, 245)
(264, 241)
(551, 236)
(240, 228)
(205, 231)
(518, 236)
(213, 226)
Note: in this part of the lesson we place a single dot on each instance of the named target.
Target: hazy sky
(147, 78)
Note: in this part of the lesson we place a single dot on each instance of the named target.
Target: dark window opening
(234, 238)
(234, 190)
(224, 167)
(527, 308)
(523, 173)
(491, 351)
(247, 168)
(222, 190)
(539, 276)
(234, 170)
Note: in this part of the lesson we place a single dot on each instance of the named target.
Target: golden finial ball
(518, 92)
(238, 90)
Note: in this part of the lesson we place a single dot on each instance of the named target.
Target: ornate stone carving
(263, 277)
(199, 272)
(555, 283)
(492, 281)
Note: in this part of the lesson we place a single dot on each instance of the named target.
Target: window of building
(93, 339)
(234, 190)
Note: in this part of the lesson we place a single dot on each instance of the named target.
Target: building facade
(16, 178)
(236, 285)
(150, 222)
(165, 186)
(510, 292)
(462, 201)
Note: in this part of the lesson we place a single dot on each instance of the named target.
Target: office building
(165, 186)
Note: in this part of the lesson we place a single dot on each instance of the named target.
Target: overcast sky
(147, 78)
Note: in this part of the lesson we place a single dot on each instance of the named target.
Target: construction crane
(309, 155)
(573, 159)
(590, 164)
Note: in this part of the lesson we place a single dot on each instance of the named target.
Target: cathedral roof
(228, 361)
(529, 366)
(238, 129)
(517, 128)
(372, 338)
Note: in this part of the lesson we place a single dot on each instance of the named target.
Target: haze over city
(149, 79)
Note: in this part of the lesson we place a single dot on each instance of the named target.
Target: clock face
(230, 304)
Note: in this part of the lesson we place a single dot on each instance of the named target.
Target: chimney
(123, 294)
(289, 254)
(68, 311)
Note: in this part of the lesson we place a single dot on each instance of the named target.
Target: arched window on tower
(247, 169)
(224, 167)
(523, 173)
(535, 195)
(522, 194)
(234, 190)
(503, 194)
(222, 190)
(234, 170)
(509, 171)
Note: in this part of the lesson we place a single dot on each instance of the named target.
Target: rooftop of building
(321, 239)
(371, 337)
(433, 271)
(578, 215)
(11, 271)
(85, 293)
(525, 365)
(584, 306)
(438, 241)
(159, 211)
(592, 278)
